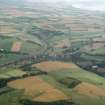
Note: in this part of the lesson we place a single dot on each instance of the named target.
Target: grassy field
(32, 48)
(81, 99)
(11, 98)
(11, 73)
(92, 57)
(94, 82)
(100, 50)
(10, 58)
(45, 87)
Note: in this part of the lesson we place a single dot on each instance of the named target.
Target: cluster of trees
(89, 65)
(5, 90)
(32, 70)
(29, 102)
(70, 82)
(3, 82)
(23, 61)
(3, 51)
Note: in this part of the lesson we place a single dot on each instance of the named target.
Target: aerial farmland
(51, 54)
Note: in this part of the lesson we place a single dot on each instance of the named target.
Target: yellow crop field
(89, 89)
(54, 65)
(38, 89)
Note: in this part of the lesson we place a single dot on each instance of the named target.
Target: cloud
(83, 4)
(90, 4)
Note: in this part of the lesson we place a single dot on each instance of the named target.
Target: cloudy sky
(83, 4)
(90, 4)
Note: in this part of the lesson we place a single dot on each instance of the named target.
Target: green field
(100, 50)
(79, 74)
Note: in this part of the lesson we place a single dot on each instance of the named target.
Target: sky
(90, 4)
(83, 4)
